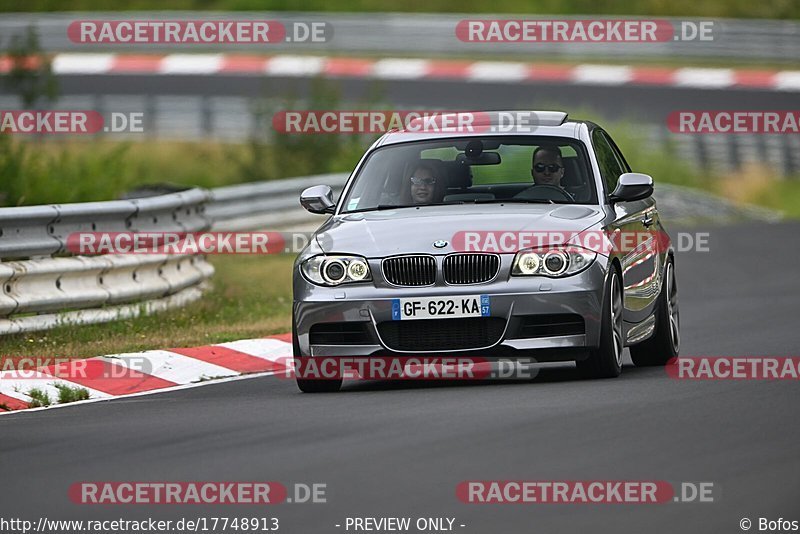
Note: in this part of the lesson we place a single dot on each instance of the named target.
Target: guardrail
(266, 204)
(434, 34)
(42, 287)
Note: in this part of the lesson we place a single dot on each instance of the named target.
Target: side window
(617, 152)
(610, 167)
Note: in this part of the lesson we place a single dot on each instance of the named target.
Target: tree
(30, 75)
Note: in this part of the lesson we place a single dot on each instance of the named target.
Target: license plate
(441, 307)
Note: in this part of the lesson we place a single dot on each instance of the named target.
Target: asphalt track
(399, 449)
(633, 102)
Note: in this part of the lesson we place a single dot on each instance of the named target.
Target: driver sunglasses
(422, 181)
(552, 167)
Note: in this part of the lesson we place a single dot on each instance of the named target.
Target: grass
(752, 185)
(78, 171)
(53, 171)
(56, 172)
(654, 8)
(68, 393)
(250, 298)
(39, 398)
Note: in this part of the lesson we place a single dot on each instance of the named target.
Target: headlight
(552, 262)
(335, 270)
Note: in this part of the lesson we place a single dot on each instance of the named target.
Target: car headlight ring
(553, 262)
(327, 270)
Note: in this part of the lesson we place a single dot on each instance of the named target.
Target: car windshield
(473, 171)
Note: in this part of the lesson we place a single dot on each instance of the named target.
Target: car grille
(470, 268)
(441, 334)
(410, 270)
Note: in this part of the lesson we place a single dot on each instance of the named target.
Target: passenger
(426, 187)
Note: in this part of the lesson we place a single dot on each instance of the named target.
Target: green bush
(273, 155)
(39, 398)
(68, 394)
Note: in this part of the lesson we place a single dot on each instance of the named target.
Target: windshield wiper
(380, 207)
(516, 201)
(399, 206)
(390, 207)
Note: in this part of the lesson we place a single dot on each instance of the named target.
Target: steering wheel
(548, 192)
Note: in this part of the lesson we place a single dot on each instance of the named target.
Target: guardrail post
(206, 117)
(151, 116)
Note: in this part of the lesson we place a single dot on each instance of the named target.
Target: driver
(547, 167)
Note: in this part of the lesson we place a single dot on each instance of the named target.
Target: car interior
(491, 171)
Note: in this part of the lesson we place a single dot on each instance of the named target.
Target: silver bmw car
(529, 240)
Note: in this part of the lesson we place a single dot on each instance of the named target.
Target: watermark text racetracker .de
(599, 241)
(420, 367)
(197, 32)
(186, 243)
(196, 492)
(375, 121)
(54, 122)
(583, 492)
(582, 31)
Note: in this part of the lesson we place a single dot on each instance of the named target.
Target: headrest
(459, 175)
(572, 174)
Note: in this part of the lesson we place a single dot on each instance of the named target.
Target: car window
(436, 172)
(610, 167)
(517, 162)
(618, 153)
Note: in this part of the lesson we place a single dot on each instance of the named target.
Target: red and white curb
(120, 375)
(413, 69)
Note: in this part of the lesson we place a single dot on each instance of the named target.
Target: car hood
(383, 233)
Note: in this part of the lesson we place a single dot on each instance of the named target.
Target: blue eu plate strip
(485, 307)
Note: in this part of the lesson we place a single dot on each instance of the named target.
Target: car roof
(485, 123)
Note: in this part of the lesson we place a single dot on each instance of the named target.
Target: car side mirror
(632, 186)
(318, 199)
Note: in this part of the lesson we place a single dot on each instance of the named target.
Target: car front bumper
(515, 300)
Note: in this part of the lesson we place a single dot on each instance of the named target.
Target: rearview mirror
(632, 186)
(484, 158)
(318, 199)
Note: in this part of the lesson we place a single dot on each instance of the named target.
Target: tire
(665, 343)
(606, 360)
(307, 385)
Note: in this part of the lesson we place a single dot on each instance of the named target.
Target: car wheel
(665, 342)
(606, 360)
(308, 385)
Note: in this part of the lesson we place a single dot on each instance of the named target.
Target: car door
(634, 231)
